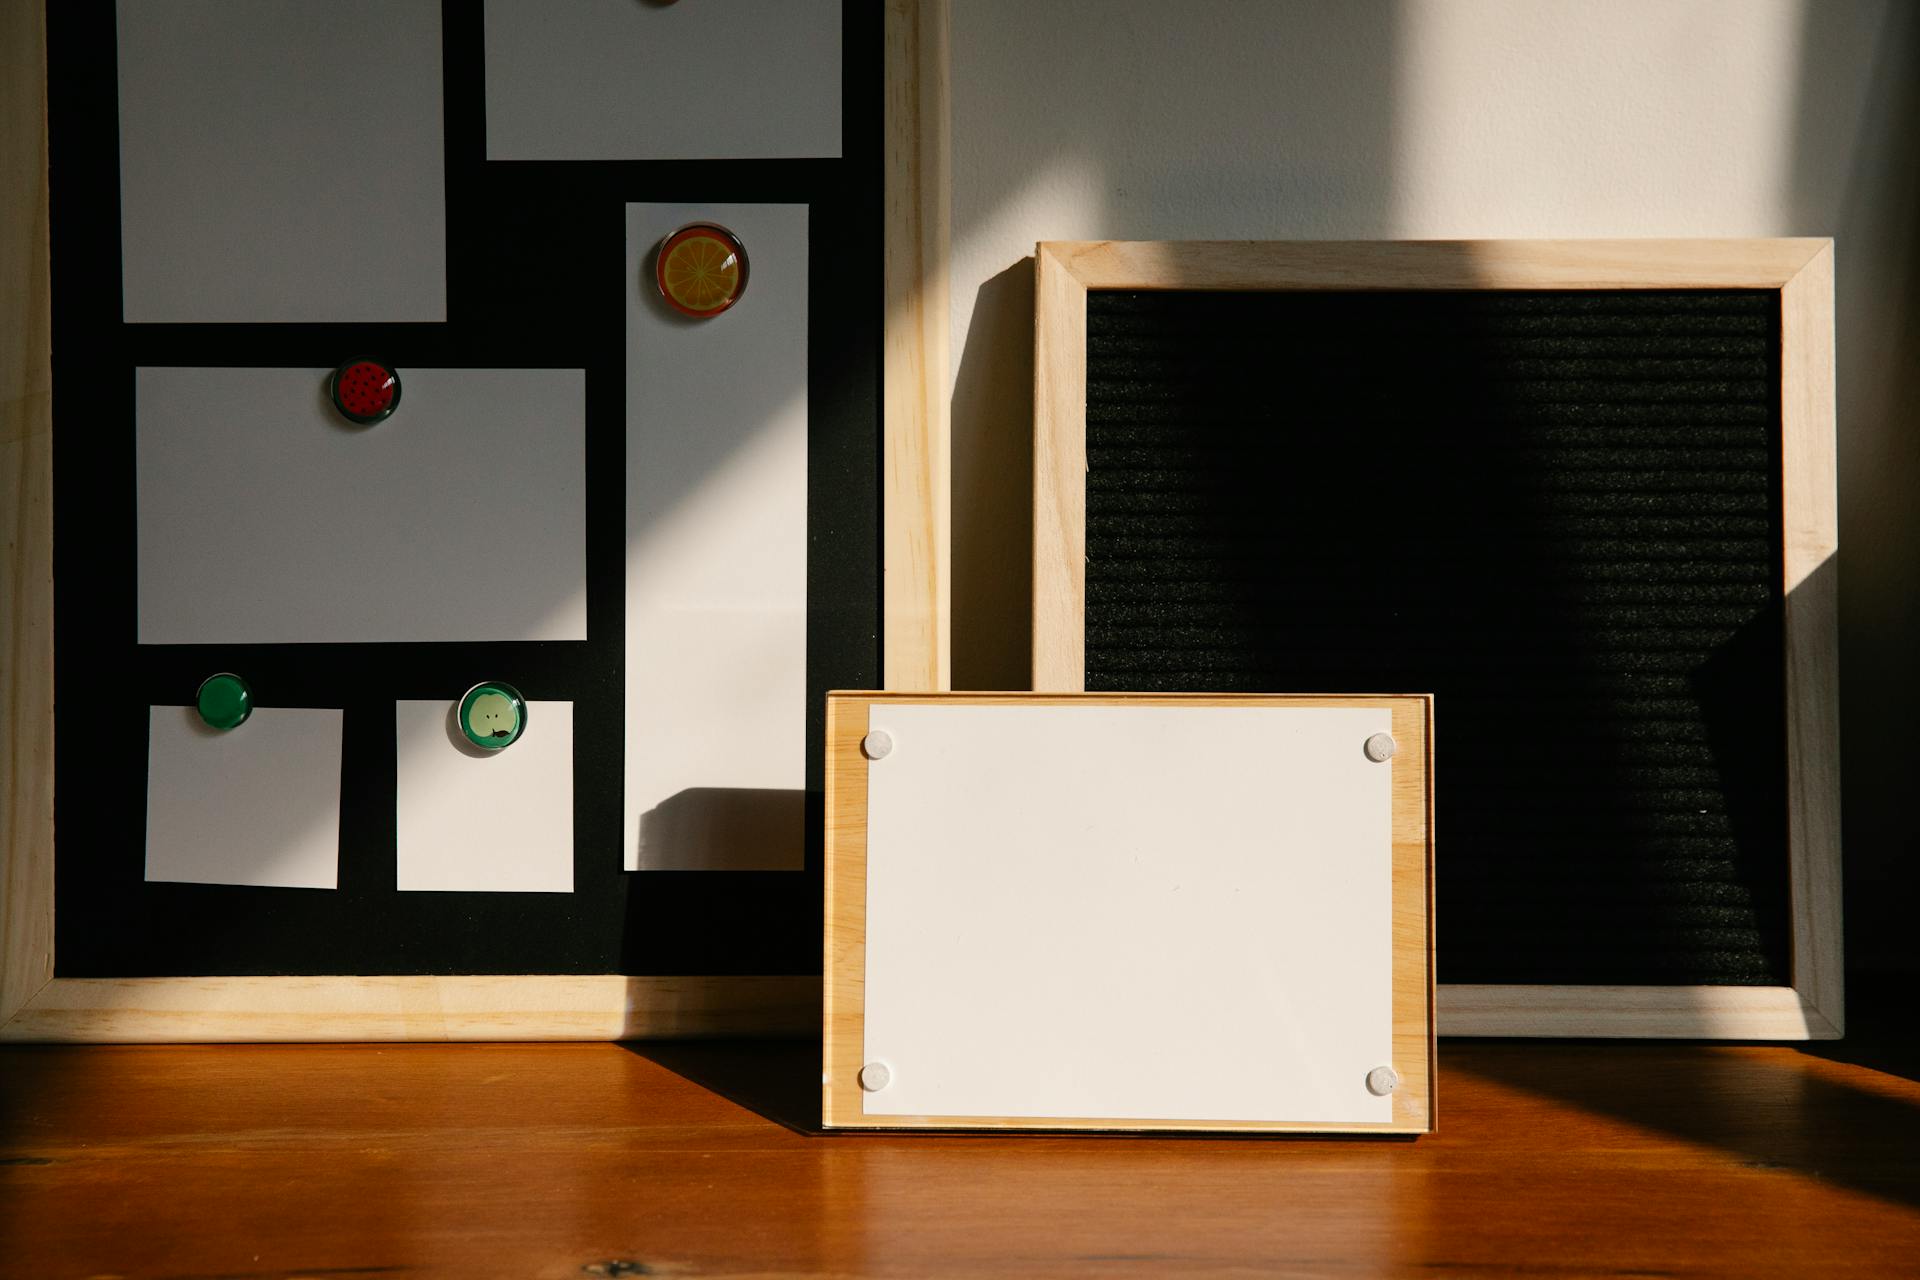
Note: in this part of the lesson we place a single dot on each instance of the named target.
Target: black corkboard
(1559, 512)
(536, 277)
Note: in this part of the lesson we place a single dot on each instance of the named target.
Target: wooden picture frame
(1801, 270)
(36, 1006)
(844, 960)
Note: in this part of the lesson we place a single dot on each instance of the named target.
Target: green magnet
(224, 700)
(492, 715)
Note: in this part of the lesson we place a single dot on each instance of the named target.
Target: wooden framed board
(1582, 490)
(536, 275)
(1151, 911)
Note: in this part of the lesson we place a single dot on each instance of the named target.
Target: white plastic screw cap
(877, 745)
(1380, 747)
(1382, 1081)
(875, 1076)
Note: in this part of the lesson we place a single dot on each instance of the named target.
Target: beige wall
(1141, 119)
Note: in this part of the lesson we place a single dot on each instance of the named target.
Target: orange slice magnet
(701, 269)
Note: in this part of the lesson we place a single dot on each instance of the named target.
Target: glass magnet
(365, 391)
(224, 700)
(701, 269)
(492, 715)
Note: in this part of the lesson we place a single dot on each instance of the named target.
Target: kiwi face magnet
(493, 715)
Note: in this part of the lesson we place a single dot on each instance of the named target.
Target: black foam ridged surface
(1559, 512)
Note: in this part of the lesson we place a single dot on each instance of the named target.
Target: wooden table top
(684, 1160)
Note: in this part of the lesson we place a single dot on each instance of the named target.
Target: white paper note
(640, 80)
(716, 634)
(266, 518)
(1178, 913)
(485, 821)
(281, 160)
(255, 805)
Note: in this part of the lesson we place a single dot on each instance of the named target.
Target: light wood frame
(35, 1006)
(843, 1007)
(1801, 270)
(914, 405)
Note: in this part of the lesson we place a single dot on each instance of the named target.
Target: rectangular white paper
(484, 821)
(716, 621)
(266, 518)
(639, 80)
(281, 160)
(256, 805)
(1174, 913)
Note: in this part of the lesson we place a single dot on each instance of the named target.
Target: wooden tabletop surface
(691, 1160)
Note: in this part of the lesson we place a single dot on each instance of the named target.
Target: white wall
(1140, 119)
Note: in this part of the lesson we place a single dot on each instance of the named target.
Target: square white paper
(255, 805)
(1154, 912)
(641, 80)
(716, 610)
(484, 821)
(281, 160)
(266, 518)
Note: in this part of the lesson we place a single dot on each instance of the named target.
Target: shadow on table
(1774, 1110)
(1882, 1034)
(776, 1079)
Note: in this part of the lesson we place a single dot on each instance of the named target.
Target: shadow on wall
(1280, 137)
(993, 486)
(1864, 190)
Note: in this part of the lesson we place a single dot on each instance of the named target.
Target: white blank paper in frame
(264, 517)
(1134, 913)
(716, 604)
(254, 805)
(281, 161)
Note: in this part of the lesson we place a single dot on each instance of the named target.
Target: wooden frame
(35, 1006)
(1801, 270)
(914, 406)
(844, 960)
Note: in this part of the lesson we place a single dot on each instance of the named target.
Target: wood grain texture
(915, 492)
(1434, 264)
(1810, 507)
(565, 1160)
(1673, 1013)
(606, 1007)
(1801, 269)
(843, 1010)
(26, 516)
(1059, 475)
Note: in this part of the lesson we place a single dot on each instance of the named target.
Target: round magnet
(224, 700)
(365, 391)
(492, 715)
(701, 269)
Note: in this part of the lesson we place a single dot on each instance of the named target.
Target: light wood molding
(26, 516)
(1801, 270)
(915, 491)
(1059, 475)
(1435, 264)
(843, 1019)
(1682, 1013)
(1810, 509)
(591, 1007)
